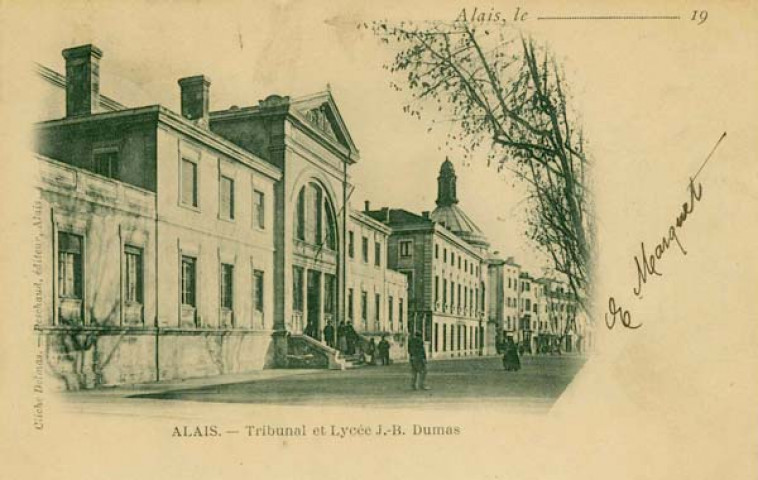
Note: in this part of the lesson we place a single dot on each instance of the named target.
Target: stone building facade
(197, 243)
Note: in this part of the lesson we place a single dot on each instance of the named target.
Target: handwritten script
(645, 262)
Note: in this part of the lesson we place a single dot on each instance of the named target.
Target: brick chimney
(366, 206)
(196, 98)
(82, 79)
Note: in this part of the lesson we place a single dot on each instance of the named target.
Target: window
(351, 244)
(226, 198)
(444, 291)
(465, 265)
(300, 216)
(105, 163)
(406, 248)
(350, 310)
(452, 258)
(227, 286)
(459, 295)
(400, 313)
(391, 312)
(330, 293)
(459, 262)
(259, 209)
(444, 255)
(436, 288)
(452, 294)
(377, 254)
(364, 249)
(364, 309)
(133, 271)
(377, 311)
(297, 289)
(258, 291)
(315, 214)
(189, 285)
(70, 265)
(436, 251)
(189, 183)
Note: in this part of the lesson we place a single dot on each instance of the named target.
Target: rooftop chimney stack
(196, 98)
(367, 206)
(82, 79)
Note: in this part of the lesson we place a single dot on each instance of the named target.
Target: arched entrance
(315, 262)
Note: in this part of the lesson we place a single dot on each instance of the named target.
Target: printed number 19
(699, 16)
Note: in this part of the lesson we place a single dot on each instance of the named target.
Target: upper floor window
(377, 253)
(351, 244)
(406, 248)
(300, 215)
(364, 249)
(259, 209)
(226, 198)
(315, 220)
(105, 162)
(189, 183)
(436, 251)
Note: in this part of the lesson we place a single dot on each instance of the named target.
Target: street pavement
(538, 384)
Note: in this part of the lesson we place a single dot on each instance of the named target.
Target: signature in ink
(646, 264)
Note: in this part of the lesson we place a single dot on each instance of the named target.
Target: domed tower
(450, 215)
(446, 194)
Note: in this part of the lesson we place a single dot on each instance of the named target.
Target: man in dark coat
(329, 334)
(352, 338)
(418, 362)
(384, 351)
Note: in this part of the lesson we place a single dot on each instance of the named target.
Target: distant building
(444, 256)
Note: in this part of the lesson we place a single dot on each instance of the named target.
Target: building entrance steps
(304, 351)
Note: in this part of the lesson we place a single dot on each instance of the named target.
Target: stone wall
(80, 358)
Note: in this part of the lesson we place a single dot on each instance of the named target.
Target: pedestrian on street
(418, 362)
(329, 334)
(371, 351)
(352, 338)
(342, 337)
(384, 351)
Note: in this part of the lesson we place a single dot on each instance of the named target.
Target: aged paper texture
(427, 239)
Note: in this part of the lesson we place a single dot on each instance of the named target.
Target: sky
(646, 98)
(286, 48)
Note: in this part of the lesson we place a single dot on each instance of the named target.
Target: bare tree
(499, 91)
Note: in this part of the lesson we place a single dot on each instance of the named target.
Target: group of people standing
(346, 339)
(348, 342)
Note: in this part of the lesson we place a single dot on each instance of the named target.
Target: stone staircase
(304, 351)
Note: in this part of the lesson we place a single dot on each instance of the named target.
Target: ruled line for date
(612, 17)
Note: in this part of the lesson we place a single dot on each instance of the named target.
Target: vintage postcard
(289, 239)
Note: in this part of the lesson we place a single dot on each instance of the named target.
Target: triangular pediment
(320, 112)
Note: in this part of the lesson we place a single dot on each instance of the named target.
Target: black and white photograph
(297, 239)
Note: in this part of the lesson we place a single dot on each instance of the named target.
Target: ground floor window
(189, 271)
(258, 296)
(297, 289)
(70, 273)
(227, 286)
